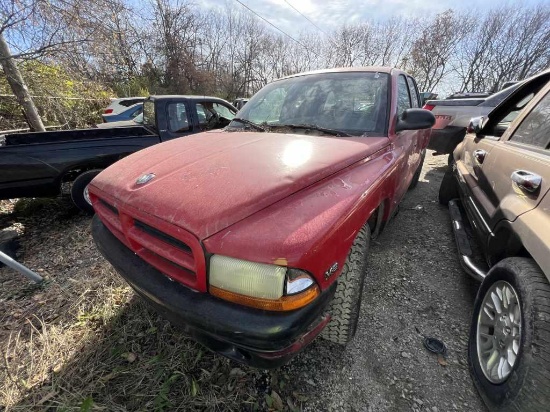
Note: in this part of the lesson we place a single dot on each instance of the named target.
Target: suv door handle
(530, 182)
(479, 155)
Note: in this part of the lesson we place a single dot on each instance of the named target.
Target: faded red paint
(288, 199)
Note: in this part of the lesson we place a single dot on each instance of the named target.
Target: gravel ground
(414, 284)
(414, 287)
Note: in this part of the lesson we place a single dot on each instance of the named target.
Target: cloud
(330, 14)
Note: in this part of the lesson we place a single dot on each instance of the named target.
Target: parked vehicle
(425, 96)
(136, 121)
(122, 104)
(498, 191)
(254, 239)
(240, 102)
(37, 164)
(125, 115)
(453, 116)
(467, 95)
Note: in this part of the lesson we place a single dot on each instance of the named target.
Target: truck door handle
(530, 182)
(479, 155)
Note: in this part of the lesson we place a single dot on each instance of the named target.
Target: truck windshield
(354, 103)
(149, 113)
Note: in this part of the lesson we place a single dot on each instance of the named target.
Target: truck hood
(208, 181)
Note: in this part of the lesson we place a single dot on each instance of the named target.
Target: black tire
(346, 303)
(527, 387)
(78, 190)
(416, 176)
(448, 189)
(450, 160)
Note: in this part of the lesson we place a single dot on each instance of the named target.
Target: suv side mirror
(415, 119)
(476, 124)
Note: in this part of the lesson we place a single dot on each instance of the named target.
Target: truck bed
(71, 135)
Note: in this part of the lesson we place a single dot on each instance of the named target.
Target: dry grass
(82, 341)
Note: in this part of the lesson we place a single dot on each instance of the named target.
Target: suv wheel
(79, 191)
(508, 347)
(346, 303)
(448, 189)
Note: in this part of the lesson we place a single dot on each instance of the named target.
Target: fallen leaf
(277, 401)
(441, 360)
(131, 357)
(237, 372)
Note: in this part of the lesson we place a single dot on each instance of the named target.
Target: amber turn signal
(285, 303)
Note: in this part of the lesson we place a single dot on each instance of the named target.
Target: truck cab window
(403, 98)
(149, 113)
(413, 92)
(213, 115)
(177, 117)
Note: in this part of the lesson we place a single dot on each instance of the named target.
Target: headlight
(263, 286)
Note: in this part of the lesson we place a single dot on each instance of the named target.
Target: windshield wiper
(312, 127)
(249, 123)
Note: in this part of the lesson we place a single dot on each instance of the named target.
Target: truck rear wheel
(79, 191)
(508, 347)
(346, 303)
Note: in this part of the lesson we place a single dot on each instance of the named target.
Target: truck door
(177, 119)
(512, 171)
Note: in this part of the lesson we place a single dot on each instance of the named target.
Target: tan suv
(497, 193)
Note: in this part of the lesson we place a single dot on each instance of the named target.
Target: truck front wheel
(346, 303)
(508, 347)
(79, 191)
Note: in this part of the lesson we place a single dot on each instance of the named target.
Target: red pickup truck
(254, 238)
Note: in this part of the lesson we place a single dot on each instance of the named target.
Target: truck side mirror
(415, 119)
(476, 124)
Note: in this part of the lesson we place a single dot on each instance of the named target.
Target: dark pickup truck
(38, 164)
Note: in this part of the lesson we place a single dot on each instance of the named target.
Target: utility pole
(19, 88)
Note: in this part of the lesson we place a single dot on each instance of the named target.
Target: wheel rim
(87, 195)
(499, 332)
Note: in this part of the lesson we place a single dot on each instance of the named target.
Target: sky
(329, 14)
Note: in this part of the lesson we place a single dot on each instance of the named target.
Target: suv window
(535, 128)
(504, 114)
(414, 92)
(403, 98)
(177, 117)
(495, 99)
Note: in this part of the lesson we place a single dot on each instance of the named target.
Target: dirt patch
(83, 340)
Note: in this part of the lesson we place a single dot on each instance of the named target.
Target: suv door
(508, 175)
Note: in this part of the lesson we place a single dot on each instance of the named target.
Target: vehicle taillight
(428, 107)
(108, 111)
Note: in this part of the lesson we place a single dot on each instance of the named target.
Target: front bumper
(254, 337)
(444, 141)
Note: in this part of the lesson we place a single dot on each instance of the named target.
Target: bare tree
(431, 52)
(506, 44)
(17, 84)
